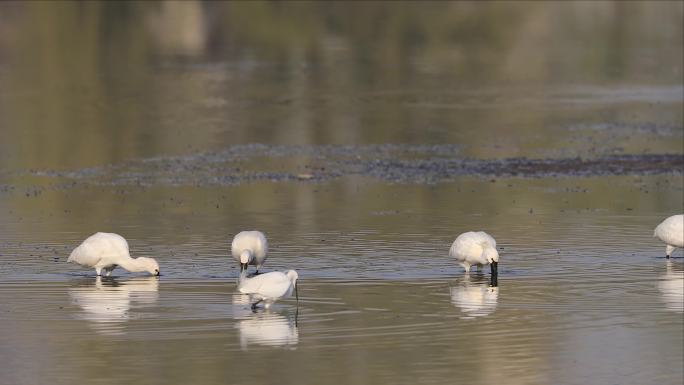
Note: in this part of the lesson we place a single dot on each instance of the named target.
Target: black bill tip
(494, 282)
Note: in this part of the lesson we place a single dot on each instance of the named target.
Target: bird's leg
(254, 305)
(98, 270)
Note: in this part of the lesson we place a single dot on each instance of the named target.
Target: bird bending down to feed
(250, 248)
(106, 251)
(475, 248)
(269, 287)
(671, 231)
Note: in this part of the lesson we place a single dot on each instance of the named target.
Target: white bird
(106, 251)
(671, 231)
(475, 248)
(250, 248)
(269, 287)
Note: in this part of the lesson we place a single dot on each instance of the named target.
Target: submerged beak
(494, 268)
(494, 282)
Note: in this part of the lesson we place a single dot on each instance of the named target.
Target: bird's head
(246, 258)
(293, 276)
(492, 257)
(150, 265)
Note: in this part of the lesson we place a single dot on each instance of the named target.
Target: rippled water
(362, 139)
(584, 291)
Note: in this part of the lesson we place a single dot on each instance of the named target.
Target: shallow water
(584, 290)
(361, 175)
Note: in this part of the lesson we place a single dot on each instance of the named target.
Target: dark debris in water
(441, 169)
(393, 163)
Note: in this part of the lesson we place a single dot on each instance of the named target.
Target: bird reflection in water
(266, 328)
(476, 296)
(671, 286)
(107, 303)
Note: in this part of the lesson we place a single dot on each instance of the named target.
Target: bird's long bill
(494, 266)
(494, 282)
(296, 293)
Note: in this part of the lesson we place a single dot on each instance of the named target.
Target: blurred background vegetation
(90, 83)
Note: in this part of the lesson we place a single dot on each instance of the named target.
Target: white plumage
(269, 287)
(250, 248)
(106, 251)
(671, 231)
(475, 248)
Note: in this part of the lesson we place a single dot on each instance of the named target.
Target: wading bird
(671, 231)
(475, 248)
(269, 287)
(250, 248)
(106, 251)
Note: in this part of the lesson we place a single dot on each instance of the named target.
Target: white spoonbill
(671, 231)
(106, 251)
(250, 248)
(475, 248)
(269, 287)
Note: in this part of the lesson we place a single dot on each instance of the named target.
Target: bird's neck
(132, 264)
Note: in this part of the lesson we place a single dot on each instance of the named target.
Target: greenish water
(362, 139)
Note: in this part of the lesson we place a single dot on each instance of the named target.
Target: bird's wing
(273, 284)
(250, 240)
(261, 247)
(486, 238)
(97, 247)
(671, 231)
(468, 247)
(85, 255)
(251, 285)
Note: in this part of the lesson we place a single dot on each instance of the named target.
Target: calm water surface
(362, 140)
(585, 294)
